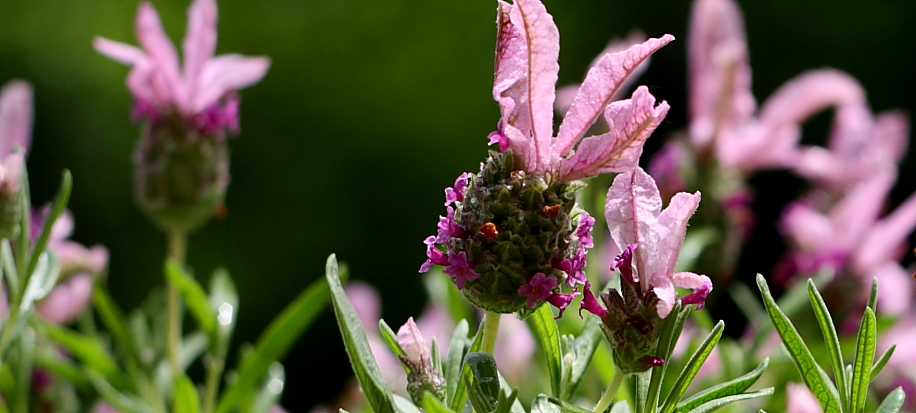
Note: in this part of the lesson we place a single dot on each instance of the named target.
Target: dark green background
(369, 110)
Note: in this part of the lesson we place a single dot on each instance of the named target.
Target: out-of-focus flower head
(851, 239)
(79, 266)
(201, 92)
(515, 235)
(15, 137)
(799, 399)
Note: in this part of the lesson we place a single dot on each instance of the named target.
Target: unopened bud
(422, 376)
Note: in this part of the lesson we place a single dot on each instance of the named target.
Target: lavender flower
(516, 235)
(649, 239)
(201, 93)
(181, 165)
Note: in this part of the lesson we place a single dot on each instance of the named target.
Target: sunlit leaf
(544, 328)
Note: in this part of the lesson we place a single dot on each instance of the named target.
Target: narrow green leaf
(57, 208)
(357, 345)
(567, 407)
(88, 350)
(693, 366)
(831, 340)
(121, 402)
(391, 339)
(812, 375)
(873, 295)
(729, 388)
(455, 356)
(581, 352)
(893, 402)
(544, 328)
(879, 365)
(61, 367)
(9, 267)
(271, 389)
(433, 405)
(865, 355)
(509, 404)
(461, 392)
(115, 321)
(717, 403)
(671, 329)
(283, 332)
(194, 296)
(42, 280)
(185, 399)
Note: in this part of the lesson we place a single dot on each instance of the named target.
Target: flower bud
(181, 174)
(422, 376)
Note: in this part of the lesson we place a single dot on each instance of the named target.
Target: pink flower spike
(561, 301)
(206, 83)
(635, 216)
(590, 304)
(456, 193)
(458, 267)
(538, 288)
(719, 71)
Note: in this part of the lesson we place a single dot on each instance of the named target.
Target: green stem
(611, 393)
(177, 250)
(214, 371)
(490, 331)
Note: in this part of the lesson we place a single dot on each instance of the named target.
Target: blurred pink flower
(799, 399)
(524, 86)
(722, 107)
(79, 266)
(15, 132)
(635, 217)
(850, 237)
(201, 92)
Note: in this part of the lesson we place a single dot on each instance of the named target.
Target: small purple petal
(589, 303)
(434, 257)
(624, 263)
(447, 227)
(584, 230)
(458, 267)
(456, 193)
(538, 288)
(499, 138)
(561, 301)
(700, 284)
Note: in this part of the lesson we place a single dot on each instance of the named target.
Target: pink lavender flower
(518, 217)
(202, 91)
(850, 238)
(799, 399)
(635, 216)
(526, 73)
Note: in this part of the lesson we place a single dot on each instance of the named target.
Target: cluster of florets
(510, 239)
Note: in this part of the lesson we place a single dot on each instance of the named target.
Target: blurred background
(369, 110)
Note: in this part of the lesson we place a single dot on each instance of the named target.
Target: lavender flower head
(181, 163)
(649, 239)
(513, 236)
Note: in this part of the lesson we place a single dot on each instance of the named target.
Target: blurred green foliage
(369, 110)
